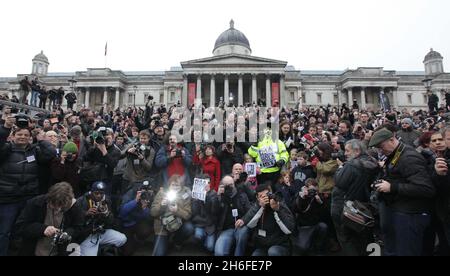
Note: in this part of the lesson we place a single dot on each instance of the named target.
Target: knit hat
(70, 147)
(407, 121)
(75, 131)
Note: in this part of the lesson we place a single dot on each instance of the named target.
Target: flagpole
(106, 53)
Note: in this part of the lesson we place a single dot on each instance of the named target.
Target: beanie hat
(70, 147)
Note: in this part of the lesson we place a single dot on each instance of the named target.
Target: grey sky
(147, 35)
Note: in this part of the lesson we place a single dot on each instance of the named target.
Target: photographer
(35, 88)
(100, 160)
(407, 134)
(407, 195)
(441, 178)
(50, 222)
(65, 168)
(20, 162)
(139, 159)
(353, 182)
(99, 221)
(208, 164)
(204, 218)
(71, 99)
(273, 223)
(25, 86)
(229, 154)
(309, 209)
(233, 206)
(174, 159)
(171, 210)
(241, 182)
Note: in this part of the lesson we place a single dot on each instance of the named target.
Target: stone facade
(233, 75)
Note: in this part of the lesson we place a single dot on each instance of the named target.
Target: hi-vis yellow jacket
(267, 153)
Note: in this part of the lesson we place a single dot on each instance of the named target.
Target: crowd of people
(332, 181)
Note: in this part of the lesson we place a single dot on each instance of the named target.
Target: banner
(275, 94)
(199, 189)
(191, 94)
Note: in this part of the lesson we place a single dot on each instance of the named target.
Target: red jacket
(211, 167)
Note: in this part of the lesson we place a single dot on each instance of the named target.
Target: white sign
(267, 156)
(199, 189)
(250, 169)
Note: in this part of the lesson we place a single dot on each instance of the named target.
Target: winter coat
(204, 214)
(19, 168)
(325, 173)
(408, 136)
(184, 211)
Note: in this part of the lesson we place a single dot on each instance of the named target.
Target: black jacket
(31, 227)
(94, 221)
(356, 176)
(238, 201)
(110, 160)
(274, 235)
(227, 160)
(442, 184)
(411, 188)
(205, 214)
(19, 177)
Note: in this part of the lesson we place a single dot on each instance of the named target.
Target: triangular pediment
(233, 60)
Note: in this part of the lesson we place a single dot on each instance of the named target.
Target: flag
(106, 48)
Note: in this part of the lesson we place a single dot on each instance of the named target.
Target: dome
(232, 37)
(41, 57)
(432, 55)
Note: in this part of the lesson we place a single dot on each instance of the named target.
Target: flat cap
(380, 136)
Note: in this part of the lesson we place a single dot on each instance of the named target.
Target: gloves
(280, 163)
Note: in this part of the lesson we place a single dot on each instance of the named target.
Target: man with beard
(407, 134)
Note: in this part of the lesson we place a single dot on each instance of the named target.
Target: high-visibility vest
(268, 146)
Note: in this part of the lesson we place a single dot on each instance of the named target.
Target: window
(409, 98)
(130, 98)
(335, 98)
(172, 96)
(292, 96)
(425, 99)
(304, 98)
(319, 98)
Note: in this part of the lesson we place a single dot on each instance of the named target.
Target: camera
(97, 137)
(147, 194)
(178, 153)
(61, 238)
(140, 149)
(229, 146)
(150, 98)
(312, 192)
(338, 156)
(69, 156)
(274, 196)
(22, 120)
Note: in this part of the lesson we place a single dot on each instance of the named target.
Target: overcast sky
(145, 35)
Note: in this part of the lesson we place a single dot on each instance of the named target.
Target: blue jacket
(131, 212)
(162, 161)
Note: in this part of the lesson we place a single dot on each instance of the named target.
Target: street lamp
(427, 83)
(134, 95)
(231, 98)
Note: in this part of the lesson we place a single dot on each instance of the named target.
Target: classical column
(117, 99)
(184, 97)
(350, 97)
(394, 97)
(86, 97)
(268, 92)
(213, 91)
(240, 90)
(254, 89)
(339, 94)
(166, 96)
(199, 90)
(363, 98)
(300, 97)
(105, 98)
(282, 95)
(226, 90)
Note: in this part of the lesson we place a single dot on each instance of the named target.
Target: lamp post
(134, 95)
(231, 98)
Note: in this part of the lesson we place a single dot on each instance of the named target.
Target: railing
(23, 106)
